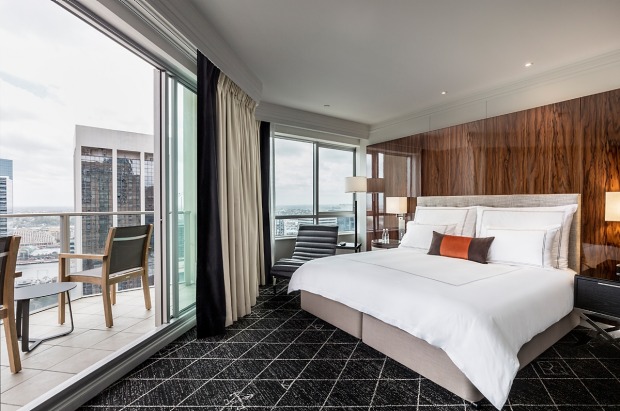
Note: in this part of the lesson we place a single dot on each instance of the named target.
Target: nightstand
(599, 300)
(379, 245)
(349, 246)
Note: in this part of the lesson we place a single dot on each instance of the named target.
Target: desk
(349, 246)
(23, 295)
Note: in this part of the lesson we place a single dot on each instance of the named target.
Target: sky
(293, 174)
(55, 72)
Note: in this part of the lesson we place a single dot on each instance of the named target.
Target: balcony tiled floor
(55, 361)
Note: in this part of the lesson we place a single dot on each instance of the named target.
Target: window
(309, 185)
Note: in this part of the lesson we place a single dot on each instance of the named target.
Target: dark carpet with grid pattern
(281, 357)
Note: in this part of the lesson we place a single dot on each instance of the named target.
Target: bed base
(335, 313)
(429, 361)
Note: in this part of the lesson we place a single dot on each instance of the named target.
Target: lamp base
(355, 222)
(401, 227)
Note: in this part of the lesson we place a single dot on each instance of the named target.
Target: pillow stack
(530, 236)
(533, 236)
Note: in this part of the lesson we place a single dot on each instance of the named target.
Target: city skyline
(113, 171)
(6, 192)
(333, 207)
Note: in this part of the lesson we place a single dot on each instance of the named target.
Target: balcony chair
(313, 241)
(8, 259)
(125, 256)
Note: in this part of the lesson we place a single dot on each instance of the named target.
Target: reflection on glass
(288, 227)
(345, 224)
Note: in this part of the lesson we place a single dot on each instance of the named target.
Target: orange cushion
(467, 248)
(455, 246)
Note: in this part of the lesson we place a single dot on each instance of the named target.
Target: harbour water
(37, 273)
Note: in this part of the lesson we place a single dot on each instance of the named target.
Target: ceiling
(372, 61)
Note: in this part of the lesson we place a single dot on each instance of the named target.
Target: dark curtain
(210, 297)
(265, 155)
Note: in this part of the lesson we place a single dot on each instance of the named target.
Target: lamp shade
(376, 185)
(396, 205)
(612, 206)
(355, 185)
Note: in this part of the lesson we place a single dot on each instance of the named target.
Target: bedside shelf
(349, 246)
(598, 295)
(598, 299)
(377, 244)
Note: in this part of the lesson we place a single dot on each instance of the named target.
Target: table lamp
(612, 212)
(397, 205)
(612, 206)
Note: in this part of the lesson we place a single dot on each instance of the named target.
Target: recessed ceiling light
(443, 93)
(528, 64)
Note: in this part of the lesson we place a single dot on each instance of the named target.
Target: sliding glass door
(181, 195)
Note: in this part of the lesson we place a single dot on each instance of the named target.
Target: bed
(347, 291)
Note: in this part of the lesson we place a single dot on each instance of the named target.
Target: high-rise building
(6, 193)
(113, 171)
(6, 168)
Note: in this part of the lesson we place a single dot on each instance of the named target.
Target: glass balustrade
(45, 235)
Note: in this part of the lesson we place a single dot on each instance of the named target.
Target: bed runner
(458, 272)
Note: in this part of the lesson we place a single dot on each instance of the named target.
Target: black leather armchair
(313, 241)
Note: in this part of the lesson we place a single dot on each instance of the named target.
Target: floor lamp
(355, 185)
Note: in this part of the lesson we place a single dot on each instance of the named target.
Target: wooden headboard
(521, 200)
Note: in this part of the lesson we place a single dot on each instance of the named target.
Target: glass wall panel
(309, 185)
(334, 166)
(182, 199)
(293, 177)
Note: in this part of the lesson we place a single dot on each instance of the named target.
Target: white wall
(171, 32)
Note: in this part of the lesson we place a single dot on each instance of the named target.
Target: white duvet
(479, 314)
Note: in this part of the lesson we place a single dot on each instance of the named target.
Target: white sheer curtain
(240, 198)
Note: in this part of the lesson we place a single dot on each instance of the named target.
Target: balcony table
(23, 295)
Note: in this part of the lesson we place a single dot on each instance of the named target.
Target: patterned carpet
(281, 357)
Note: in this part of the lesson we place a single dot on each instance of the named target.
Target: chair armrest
(18, 274)
(81, 256)
(3, 312)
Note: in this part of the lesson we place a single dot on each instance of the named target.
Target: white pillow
(521, 246)
(463, 217)
(421, 235)
(532, 217)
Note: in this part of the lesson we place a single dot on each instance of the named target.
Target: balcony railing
(80, 232)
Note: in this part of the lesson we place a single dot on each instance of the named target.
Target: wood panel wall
(567, 147)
